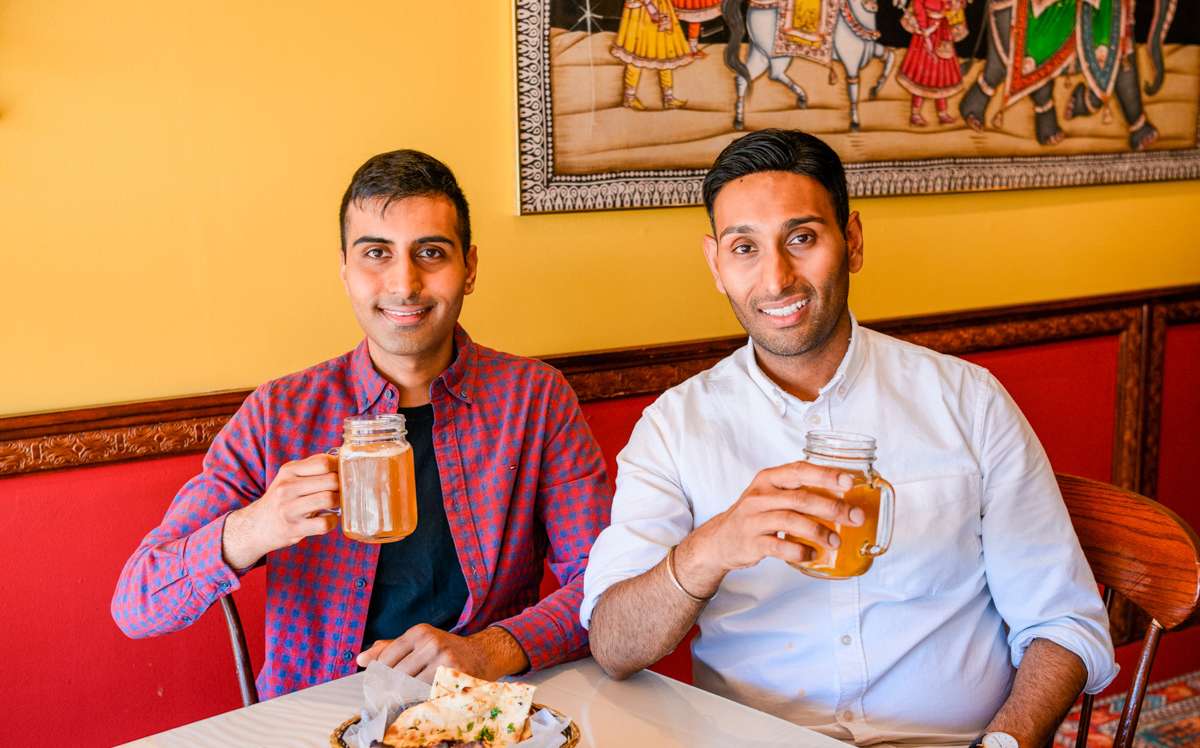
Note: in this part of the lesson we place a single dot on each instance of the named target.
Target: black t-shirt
(418, 579)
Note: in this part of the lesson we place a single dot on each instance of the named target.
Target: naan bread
(462, 708)
(460, 717)
(514, 700)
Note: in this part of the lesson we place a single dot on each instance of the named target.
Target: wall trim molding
(155, 428)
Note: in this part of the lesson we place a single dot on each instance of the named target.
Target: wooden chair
(241, 655)
(1144, 551)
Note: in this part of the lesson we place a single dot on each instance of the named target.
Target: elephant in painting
(1031, 42)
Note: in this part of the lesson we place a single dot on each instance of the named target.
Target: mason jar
(376, 479)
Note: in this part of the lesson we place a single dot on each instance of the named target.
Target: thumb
(371, 654)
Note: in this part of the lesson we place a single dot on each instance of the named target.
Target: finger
(317, 464)
(305, 506)
(395, 652)
(797, 526)
(428, 673)
(811, 502)
(418, 659)
(319, 525)
(309, 484)
(799, 474)
(785, 550)
(372, 653)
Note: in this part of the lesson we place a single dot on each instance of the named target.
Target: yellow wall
(170, 173)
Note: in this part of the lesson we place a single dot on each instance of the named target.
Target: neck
(803, 375)
(413, 374)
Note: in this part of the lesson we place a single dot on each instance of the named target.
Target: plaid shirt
(522, 477)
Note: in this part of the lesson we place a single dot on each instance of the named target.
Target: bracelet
(675, 579)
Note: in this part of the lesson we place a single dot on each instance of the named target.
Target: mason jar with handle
(376, 479)
(853, 454)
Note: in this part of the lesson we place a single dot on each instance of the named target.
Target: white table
(646, 710)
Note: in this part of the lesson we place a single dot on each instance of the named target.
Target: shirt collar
(458, 378)
(838, 386)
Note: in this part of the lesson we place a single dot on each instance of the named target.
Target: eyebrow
(371, 240)
(792, 223)
(788, 225)
(743, 228)
(433, 239)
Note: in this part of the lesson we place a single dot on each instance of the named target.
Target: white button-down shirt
(922, 648)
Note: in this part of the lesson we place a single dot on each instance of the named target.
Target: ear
(710, 256)
(854, 242)
(472, 260)
(342, 272)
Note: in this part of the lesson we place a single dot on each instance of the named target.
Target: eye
(375, 253)
(431, 252)
(801, 239)
(742, 248)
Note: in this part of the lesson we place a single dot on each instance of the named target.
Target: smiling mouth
(784, 311)
(407, 315)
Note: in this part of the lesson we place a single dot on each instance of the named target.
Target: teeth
(398, 313)
(785, 310)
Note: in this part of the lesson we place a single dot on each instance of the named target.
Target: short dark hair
(780, 150)
(406, 173)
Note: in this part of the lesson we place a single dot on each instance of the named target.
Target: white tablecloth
(646, 710)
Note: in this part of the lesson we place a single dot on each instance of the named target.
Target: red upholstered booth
(71, 529)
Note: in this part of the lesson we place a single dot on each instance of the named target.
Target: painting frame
(541, 190)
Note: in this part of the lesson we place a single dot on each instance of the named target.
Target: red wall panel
(70, 533)
(1179, 443)
(1068, 391)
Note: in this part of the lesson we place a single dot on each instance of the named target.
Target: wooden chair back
(241, 655)
(1144, 551)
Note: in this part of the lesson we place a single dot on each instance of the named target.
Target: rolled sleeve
(1038, 576)
(179, 569)
(650, 513)
(573, 504)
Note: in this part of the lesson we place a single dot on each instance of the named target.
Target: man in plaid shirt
(512, 469)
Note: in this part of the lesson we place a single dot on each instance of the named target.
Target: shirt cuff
(205, 565)
(1101, 667)
(539, 634)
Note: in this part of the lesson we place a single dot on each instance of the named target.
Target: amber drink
(853, 454)
(377, 482)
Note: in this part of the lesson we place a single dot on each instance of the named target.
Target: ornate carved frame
(544, 191)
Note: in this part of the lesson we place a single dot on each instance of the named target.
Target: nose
(777, 272)
(404, 278)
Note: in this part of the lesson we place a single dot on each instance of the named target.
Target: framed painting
(625, 103)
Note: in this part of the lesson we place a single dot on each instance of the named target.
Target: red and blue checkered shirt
(522, 477)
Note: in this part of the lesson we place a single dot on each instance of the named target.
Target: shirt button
(813, 419)
(223, 586)
(186, 619)
(846, 640)
(360, 583)
(842, 391)
(389, 394)
(847, 716)
(348, 655)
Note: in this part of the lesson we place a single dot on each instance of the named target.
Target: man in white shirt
(981, 623)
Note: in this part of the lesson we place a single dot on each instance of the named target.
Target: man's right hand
(286, 514)
(790, 499)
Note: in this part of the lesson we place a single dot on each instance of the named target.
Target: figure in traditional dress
(694, 13)
(931, 68)
(650, 38)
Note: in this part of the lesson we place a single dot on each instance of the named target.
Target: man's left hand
(489, 654)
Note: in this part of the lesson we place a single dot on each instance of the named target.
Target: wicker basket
(572, 731)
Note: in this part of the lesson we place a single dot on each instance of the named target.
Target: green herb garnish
(495, 712)
(485, 734)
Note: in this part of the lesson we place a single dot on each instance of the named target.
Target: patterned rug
(1170, 717)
